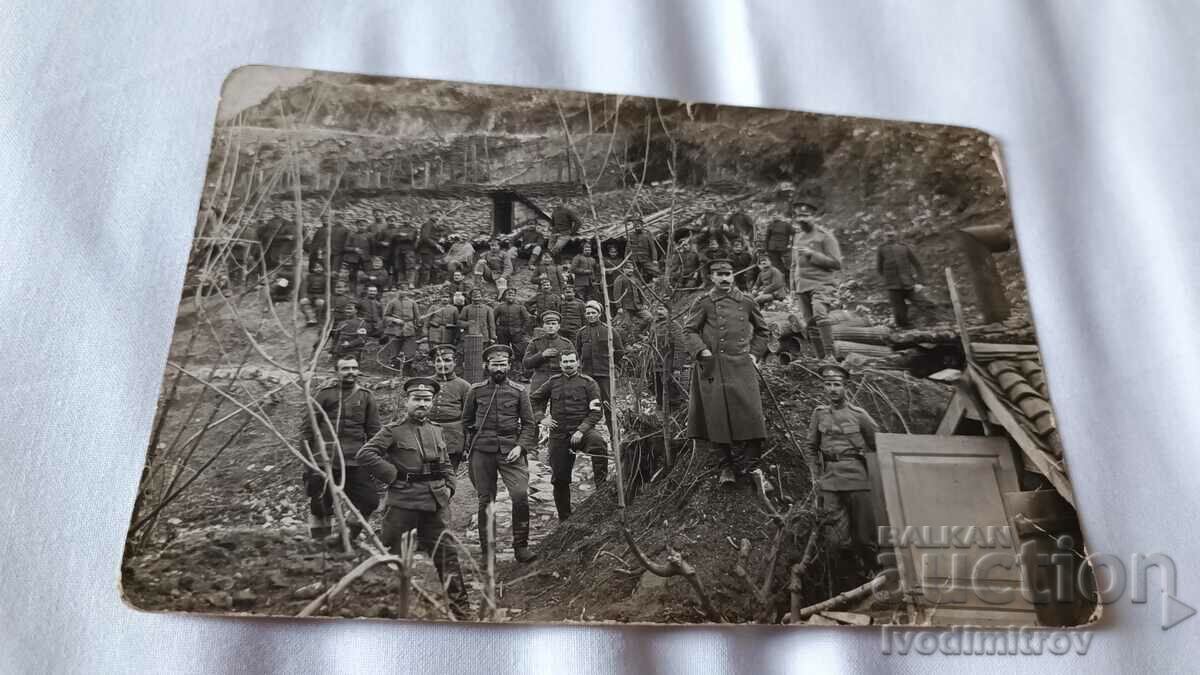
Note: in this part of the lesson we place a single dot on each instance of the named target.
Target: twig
(350, 578)
(675, 566)
(840, 599)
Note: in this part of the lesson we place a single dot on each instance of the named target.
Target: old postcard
(459, 352)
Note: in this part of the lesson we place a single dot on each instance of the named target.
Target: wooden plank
(945, 503)
(1045, 463)
(953, 415)
(982, 348)
(958, 316)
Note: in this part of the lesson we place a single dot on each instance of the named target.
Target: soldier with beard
(512, 324)
(498, 420)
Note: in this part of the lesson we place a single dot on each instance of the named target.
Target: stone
(308, 592)
(220, 600)
(244, 599)
(277, 580)
(947, 375)
(223, 584)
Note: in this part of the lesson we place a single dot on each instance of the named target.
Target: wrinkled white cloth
(106, 113)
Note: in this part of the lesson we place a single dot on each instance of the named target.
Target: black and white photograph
(461, 352)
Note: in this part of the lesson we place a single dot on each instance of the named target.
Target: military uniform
(411, 458)
(778, 246)
(371, 310)
(544, 301)
(356, 415)
(442, 325)
(724, 404)
(770, 285)
(477, 319)
(629, 298)
(376, 276)
(277, 239)
(815, 281)
(744, 260)
(584, 267)
(574, 406)
(900, 269)
(350, 338)
(404, 254)
(643, 252)
(542, 367)
(497, 417)
(572, 317)
(841, 436)
(448, 412)
(326, 246)
(591, 343)
(512, 322)
(313, 303)
(427, 252)
(354, 255)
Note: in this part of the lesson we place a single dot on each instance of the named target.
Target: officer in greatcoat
(726, 336)
(411, 458)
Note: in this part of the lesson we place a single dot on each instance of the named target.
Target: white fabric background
(106, 111)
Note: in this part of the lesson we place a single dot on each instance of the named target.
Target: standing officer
(411, 458)
(574, 412)
(541, 356)
(592, 344)
(512, 323)
(726, 336)
(448, 402)
(403, 251)
(572, 313)
(499, 421)
(327, 243)
(818, 258)
(629, 297)
(778, 245)
(356, 415)
(840, 434)
(901, 272)
(585, 268)
(442, 325)
(401, 326)
(356, 252)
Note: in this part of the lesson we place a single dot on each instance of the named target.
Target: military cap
(551, 314)
(832, 371)
(443, 349)
(475, 291)
(592, 304)
(497, 350)
(719, 262)
(421, 384)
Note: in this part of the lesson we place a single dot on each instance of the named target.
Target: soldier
(564, 225)
(745, 274)
(574, 400)
(770, 284)
(341, 298)
(818, 258)
(838, 436)
(376, 275)
(542, 355)
(477, 318)
(642, 249)
(572, 313)
(778, 245)
(459, 284)
(592, 344)
(498, 419)
(428, 249)
(401, 326)
(354, 412)
(686, 267)
(403, 252)
(629, 297)
(350, 336)
(512, 324)
(546, 300)
(381, 247)
(327, 243)
(410, 457)
(449, 400)
(726, 336)
(584, 267)
(672, 358)
(461, 256)
(442, 326)
(277, 241)
(497, 267)
(902, 274)
(312, 303)
(355, 252)
(371, 310)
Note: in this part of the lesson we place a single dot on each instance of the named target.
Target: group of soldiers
(547, 363)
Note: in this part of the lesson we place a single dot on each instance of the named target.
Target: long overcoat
(724, 403)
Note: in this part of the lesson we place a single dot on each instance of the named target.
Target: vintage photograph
(462, 352)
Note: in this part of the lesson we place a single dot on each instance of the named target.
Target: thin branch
(675, 566)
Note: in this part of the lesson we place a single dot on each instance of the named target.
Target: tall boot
(562, 500)
(814, 338)
(484, 535)
(599, 468)
(423, 277)
(826, 331)
(412, 278)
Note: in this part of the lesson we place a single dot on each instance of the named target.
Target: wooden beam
(953, 415)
